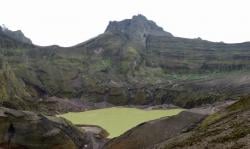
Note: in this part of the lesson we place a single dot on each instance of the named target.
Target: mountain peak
(137, 28)
(16, 35)
(139, 17)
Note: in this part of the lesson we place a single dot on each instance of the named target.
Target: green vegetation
(238, 132)
(117, 120)
(241, 105)
(210, 119)
(228, 127)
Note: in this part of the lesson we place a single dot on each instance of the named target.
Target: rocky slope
(133, 62)
(149, 133)
(228, 128)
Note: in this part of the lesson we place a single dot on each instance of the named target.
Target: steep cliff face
(137, 28)
(13, 92)
(16, 35)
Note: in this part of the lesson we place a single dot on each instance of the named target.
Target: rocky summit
(137, 28)
(16, 35)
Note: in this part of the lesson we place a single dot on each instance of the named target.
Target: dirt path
(212, 108)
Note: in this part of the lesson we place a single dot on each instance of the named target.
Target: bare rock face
(23, 129)
(1, 29)
(137, 28)
(99, 137)
(16, 35)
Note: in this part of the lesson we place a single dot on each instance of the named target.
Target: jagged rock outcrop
(1, 29)
(23, 129)
(16, 35)
(137, 28)
(98, 135)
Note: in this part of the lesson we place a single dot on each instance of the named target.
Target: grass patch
(117, 120)
(211, 119)
(237, 133)
(243, 104)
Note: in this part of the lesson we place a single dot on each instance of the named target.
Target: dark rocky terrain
(27, 130)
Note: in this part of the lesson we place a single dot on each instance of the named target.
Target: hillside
(133, 62)
(228, 128)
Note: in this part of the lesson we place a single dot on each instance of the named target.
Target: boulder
(23, 129)
(99, 137)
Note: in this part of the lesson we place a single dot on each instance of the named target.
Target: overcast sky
(68, 22)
